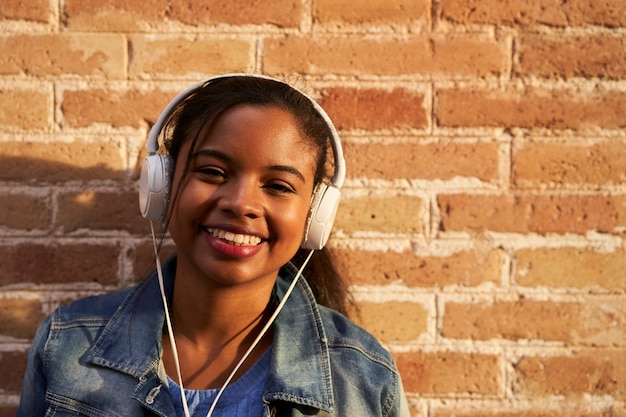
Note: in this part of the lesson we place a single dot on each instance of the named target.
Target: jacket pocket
(61, 406)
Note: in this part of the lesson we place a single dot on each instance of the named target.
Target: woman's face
(241, 210)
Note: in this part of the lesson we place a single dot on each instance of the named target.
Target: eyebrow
(220, 155)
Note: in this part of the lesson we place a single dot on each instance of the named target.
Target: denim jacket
(101, 357)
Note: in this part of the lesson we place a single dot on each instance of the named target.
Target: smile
(236, 239)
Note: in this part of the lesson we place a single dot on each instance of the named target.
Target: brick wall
(484, 215)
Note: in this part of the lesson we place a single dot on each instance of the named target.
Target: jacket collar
(300, 369)
(131, 340)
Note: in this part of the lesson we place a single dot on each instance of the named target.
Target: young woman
(242, 188)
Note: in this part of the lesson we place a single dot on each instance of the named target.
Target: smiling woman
(226, 326)
(250, 175)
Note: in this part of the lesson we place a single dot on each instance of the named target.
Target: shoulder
(71, 328)
(357, 359)
(93, 308)
(343, 334)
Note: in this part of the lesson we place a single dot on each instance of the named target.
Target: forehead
(263, 133)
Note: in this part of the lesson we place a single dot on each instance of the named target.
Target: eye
(280, 187)
(211, 174)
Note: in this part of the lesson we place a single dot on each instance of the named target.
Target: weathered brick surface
(432, 161)
(60, 161)
(375, 109)
(398, 214)
(13, 365)
(593, 371)
(33, 10)
(544, 12)
(597, 322)
(84, 108)
(530, 108)
(572, 56)
(532, 214)
(63, 54)
(9, 411)
(449, 372)
(570, 268)
(96, 211)
(142, 259)
(566, 164)
(59, 264)
(25, 108)
(19, 318)
(371, 12)
(466, 268)
(167, 56)
(394, 321)
(119, 15)
(458, 56)
(568, 410)
(23, 211)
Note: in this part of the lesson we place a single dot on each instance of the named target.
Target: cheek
(299, 219)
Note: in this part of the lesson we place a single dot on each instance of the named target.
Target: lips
(237, 239)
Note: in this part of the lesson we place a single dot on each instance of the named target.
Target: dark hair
(205, 105)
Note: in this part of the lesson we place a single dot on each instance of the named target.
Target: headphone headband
(156, 173)
(340, 164)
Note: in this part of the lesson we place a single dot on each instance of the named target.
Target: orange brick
(59, 264)
(540, 410)
(13, 366)
(47, 54)
(23, 211)
(449, 373)
(530, 108)
(60, 161)
(121, 15)
(19, 318)
(447, 55)
(466, 269)
(532, 213)
(100, 211)
(83, 108)
(432, 161)
(557, 164)
(32, 10)
(593, 322)
(566, 56)
(542, 12)
(170, 56)
(570, 268)
(593, 371)
(371, 12)
(393, 321)
(25, 109)
(375, 109)
(397, 214)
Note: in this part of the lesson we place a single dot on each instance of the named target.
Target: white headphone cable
(250, 349)
(168, 322)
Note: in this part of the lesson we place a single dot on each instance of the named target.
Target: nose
(241, 198)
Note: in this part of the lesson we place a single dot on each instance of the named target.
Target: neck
(217, 311)
(213, 328)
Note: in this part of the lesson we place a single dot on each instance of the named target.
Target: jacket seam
(312, 305)
(373, 356)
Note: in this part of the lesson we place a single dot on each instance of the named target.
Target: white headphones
(156, 173)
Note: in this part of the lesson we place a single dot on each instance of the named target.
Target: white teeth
(235, 238)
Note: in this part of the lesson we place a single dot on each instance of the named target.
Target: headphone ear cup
(154, 186)
(324, 204)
